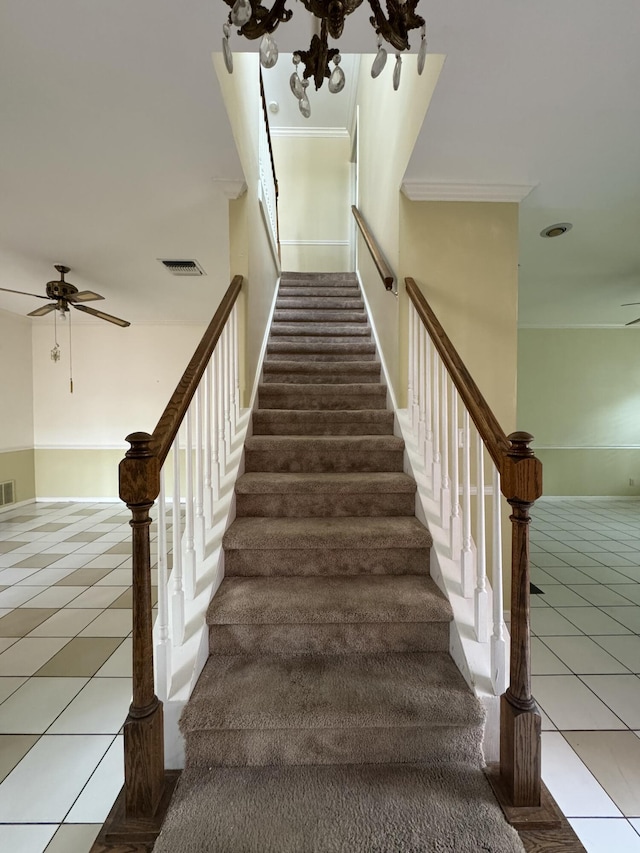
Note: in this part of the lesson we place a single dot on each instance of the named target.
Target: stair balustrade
(457, 433)
(204, 409)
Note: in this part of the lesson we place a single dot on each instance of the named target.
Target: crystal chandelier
(256, 21)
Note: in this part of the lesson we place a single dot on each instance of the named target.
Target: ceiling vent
(182, 267)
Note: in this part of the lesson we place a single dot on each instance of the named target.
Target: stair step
(333, 373)
(331, 397)
(301, 422)
(349, 291)
(327, 303)
(328, 279)
(333, 330)
(315, 347)
(314, 315)
(323, 453)
(328, 615)
(312, 495)
(297, 709)
(326, 546)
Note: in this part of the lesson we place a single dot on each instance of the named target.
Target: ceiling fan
(63, 294)
(626, 305)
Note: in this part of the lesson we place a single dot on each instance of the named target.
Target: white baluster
(481, 609)
(163, 647)
(498, 642)
(226, 351)
(435, 465)
(177, 595)
(236, 361)
(410, 360)
(208, 449)
(467, 563)
(414, 409)
(421, 384)
(428, 394)
(189, 551)
(219, 392)
(454, 526)
(445, 490)
(199, 524)
(232, 372)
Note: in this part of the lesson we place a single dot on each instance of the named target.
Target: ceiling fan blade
(108, 317)
(23, 293)
(633, 322)
(40, 312)
(84, 296)
(625, 304)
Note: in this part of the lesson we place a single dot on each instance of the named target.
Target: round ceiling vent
(556, 230)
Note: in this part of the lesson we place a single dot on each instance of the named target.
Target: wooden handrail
(519, 782)
(384, 270)
(486, 422)
(146, 782)
(170, 420)
(273, 162)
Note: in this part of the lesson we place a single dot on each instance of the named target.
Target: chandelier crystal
(254, 20)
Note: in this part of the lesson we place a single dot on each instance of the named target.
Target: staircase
(330, 715)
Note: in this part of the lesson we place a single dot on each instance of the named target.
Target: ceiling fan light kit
(255, 20)
(556, 230)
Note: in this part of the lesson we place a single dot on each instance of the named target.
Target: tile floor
(65, 653)
(585, 557)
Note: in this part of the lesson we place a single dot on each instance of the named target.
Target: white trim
(267, 227)
(558, 498)
(16, 449)
(391, 397)
(576, 326)
(84, 500)
(328, 132)
(121, 447)
(230, 189)
(18, 504)
(315, 243)
(587, 447)
(436, 191)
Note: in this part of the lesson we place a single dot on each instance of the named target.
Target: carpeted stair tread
(440, 808)
(424, 690)
(302, 443)
(302, 422)
(333, 329)
(323, 453)
(330, 279)
(320, 303)
(322, 368)
(320, 483)
(317, 600)
(314, 315)
(328, 534)
(343, 290)
(278, 395)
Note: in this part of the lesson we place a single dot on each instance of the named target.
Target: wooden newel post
(520, 754)
(143, 730)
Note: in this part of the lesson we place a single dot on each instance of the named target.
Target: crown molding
(564, 326)
(330, 132)
(231, 189)
(436, 191)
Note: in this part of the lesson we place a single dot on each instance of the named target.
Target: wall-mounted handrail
(146, 782)
(434, 363)
(384, 270)
(271, 157)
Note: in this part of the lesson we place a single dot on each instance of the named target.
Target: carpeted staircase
(330, 717)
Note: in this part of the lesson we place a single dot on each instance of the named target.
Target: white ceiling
(113, 134)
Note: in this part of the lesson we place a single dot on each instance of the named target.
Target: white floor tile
(625, 648)
(74, 838)
(9, 685)
(5, 642)
(47, 781)
(70, 561)
(27, 655)
(11, 576)
(628, 616)
(570, 782)
(29, 838)
(65, 623)
(119, 664)
(14, 596)
(583, 656)
(45, 577)
(592, 621)
(621, 693)
(35, 705)
(603, 574)
(55, 596)
(99, 596)
(614, 759)
(95, 802)
(562, 596)
(100, 708)
(571, 705)
(546, 622)
(544, 662)
(111, 623)
(606, 835)
(635, 823)
(116, 577)
(105, 561)
(628, 591)
(600, 594)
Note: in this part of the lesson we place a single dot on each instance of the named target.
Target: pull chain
(70, 359)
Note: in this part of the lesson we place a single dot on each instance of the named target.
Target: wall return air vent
(181, 267)
(7, 492)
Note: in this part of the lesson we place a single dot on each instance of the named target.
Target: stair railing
(203, 410)
(384, 270)
(443, 403)
(269, 194)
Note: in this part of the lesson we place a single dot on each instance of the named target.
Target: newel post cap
(521, 475)
(139, 471)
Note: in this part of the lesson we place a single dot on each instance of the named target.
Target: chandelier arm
(332, 11)
(402, 18)
(263, 20)
(316, 60)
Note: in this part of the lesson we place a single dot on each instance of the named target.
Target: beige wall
(251, 253)
(16, 405)
(389, 123)
(579, 394)
(314, 182)
(464, 258)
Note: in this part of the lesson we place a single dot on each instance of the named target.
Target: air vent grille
(181, 267)
(7, 492)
